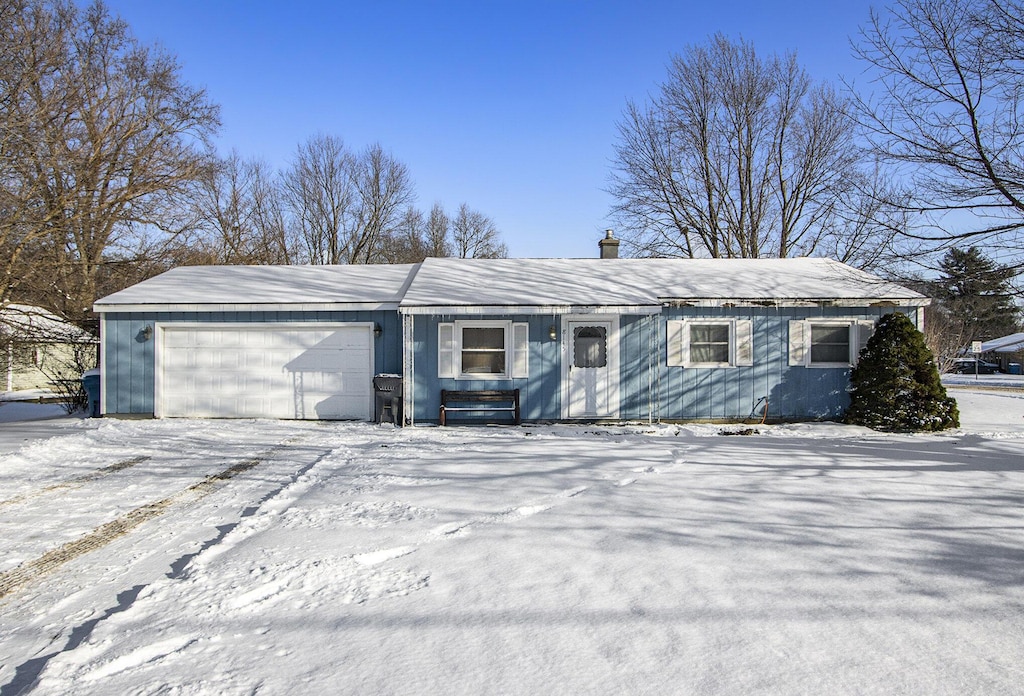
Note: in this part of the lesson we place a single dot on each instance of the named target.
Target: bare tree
(438, 242)
(405, 242)
(239, 213)
(30, 58)
(946, 334)
(738, 156)
(867, 229)
(475, 236)
(100, 135)
(947, 111)
(385, 191)
(343, 206)
(268, 214)
(322, 197)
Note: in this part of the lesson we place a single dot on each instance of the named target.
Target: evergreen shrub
(895, 385)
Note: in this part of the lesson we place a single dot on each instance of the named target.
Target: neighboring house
(40, 347)
(582, 339)
(1008, 351)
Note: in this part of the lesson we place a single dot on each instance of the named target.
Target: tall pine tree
(975, 292)
(895, 385)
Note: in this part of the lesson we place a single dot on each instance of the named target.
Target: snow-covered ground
(241, 557)
(997, 381)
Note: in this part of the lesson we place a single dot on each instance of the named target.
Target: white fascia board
(800, 302)
(480, 310)
(263, 325)
(308, 307)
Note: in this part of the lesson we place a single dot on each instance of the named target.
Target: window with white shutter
(828, 342)
(710, 343)
(486, 349)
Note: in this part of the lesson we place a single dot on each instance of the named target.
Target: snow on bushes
(895, 385)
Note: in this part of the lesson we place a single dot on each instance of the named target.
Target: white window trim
(679, 331)
(856, 328)
(516, 351)
(506, 327)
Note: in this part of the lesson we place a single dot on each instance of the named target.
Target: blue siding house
(582, 339)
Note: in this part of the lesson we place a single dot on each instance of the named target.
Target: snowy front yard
(202, 557)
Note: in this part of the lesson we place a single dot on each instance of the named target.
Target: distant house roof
(35, 324)
(1006, 344)
(522, 285)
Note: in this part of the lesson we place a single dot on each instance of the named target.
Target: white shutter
(446, 351)
(797, 342)
(865, 328)
(674, 330)
(744, 339)
(520, 350)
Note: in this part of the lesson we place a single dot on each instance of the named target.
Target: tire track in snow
(545, 503)
(510, 514)
(77, 481)
(228, 534)
(50, 561)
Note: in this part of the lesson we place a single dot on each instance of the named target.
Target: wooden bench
(480, 400)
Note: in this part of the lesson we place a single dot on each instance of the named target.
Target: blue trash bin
(1014, 369)
(91, 384)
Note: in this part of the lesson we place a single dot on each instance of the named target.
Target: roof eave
(149, 307)
(797, 302)
(479, 310)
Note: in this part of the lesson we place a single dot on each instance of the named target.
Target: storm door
(590, 368)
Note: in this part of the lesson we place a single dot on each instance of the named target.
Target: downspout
(657, 365)
(654, 361)
(103, 364)
(650, 369)
(408, 371)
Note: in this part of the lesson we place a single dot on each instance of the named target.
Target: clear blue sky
(507, 106)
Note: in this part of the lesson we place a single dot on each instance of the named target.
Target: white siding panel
(266, 371)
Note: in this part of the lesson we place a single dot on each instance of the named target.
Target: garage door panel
(266, 371)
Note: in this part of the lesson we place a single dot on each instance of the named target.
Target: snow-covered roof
(644, 283)
(224, 288)
(31, 323)
(522, 285)
(1005, 344)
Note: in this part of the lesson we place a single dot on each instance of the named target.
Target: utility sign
(975, 347)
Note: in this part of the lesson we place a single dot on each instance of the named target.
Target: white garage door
(265, 371)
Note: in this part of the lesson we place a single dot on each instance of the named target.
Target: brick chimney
(609, 246)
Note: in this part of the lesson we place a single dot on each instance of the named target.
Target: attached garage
(302, 371)
(290, 342)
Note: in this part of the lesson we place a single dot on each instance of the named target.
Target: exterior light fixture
(553, 332)
(377, 330)
(147, 332)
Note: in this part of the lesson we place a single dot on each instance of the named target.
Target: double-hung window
(487, 349)
(484, 351)
(828, 342)
(710, 343)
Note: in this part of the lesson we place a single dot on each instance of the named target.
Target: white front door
(590, 367)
